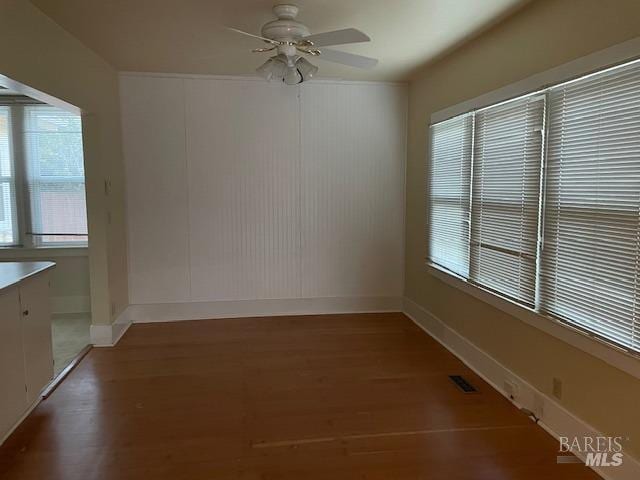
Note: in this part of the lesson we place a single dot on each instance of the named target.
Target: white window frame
(590, 343)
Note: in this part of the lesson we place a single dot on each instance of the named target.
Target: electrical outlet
(557, 388)
(511, 389)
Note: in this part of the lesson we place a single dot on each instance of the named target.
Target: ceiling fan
(291, 40)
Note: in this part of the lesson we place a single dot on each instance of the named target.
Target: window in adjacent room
(8, 217)
(42, 189)
(54, 176)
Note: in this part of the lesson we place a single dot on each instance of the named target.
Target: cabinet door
(36, 334)
(12, 382)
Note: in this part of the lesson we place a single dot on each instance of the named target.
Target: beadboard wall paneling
(353, 141)
(157, 197)
(266, 191)
(244, 187)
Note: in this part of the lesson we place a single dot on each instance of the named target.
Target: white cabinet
(26, 359)
(12, 379)
(36, 334)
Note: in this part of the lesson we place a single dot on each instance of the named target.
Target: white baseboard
(70, 304)
(109, 335)
(554, 418)
(170, 312)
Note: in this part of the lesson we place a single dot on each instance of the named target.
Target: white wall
(243, 190)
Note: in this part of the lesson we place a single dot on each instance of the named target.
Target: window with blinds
(506, 197)
(590, 261)
(55, 176)
(7, 183)
(450, 174)
(538, 199)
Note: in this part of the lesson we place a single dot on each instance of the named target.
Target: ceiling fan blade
(337, 37)
(350, 59)
(273, 42)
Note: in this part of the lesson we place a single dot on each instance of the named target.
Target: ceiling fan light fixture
(273, 68)
(307, 69)
(266, 69)
(292, 76)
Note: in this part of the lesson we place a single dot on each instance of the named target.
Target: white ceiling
(186, 36)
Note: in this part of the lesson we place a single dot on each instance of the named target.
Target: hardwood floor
(302, 398)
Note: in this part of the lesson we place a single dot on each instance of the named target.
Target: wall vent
(463, 384)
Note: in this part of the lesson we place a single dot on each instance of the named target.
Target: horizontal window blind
(449, 193)
(591, 253)
(55, 175)
(505, 199)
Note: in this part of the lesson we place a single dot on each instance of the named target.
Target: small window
(55, 176)
(8, 218)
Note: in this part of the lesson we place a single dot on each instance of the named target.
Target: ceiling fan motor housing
(285, 28)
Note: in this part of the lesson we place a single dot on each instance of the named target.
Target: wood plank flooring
(298, 398)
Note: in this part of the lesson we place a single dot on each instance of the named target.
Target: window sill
(43, 252)
(607, 352)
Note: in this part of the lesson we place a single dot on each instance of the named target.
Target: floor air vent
(463, 384)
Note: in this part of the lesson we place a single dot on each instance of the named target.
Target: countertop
(12, 273)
